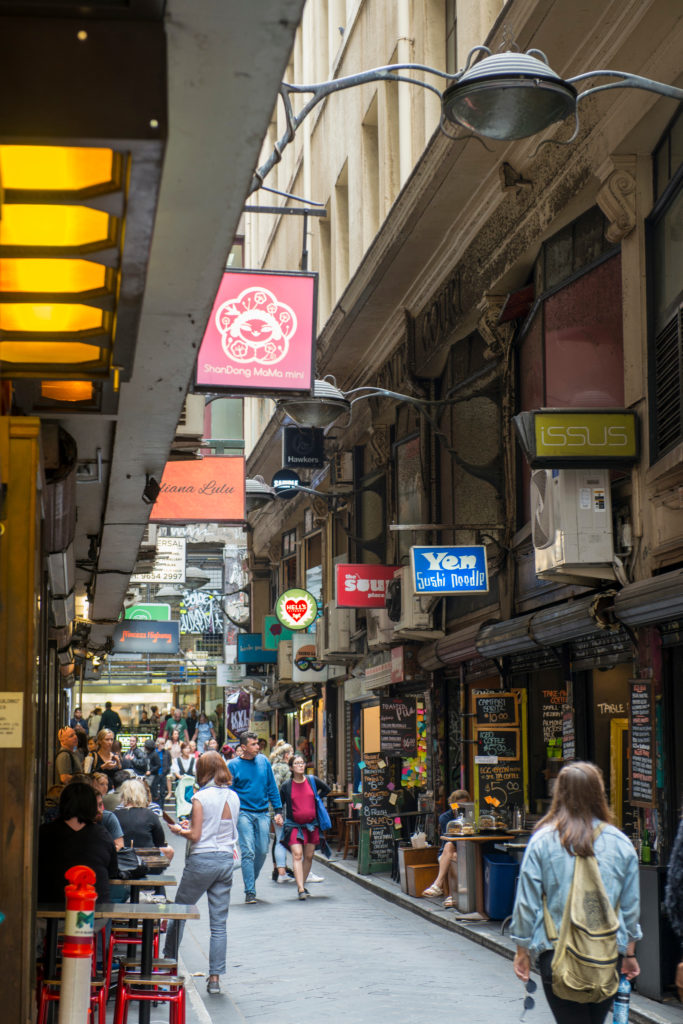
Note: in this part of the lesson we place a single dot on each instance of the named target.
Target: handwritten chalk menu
(501, 743)
(495, 708)
(642, 743)
(397, 727)
(568, 734)
(503, 781)
(376, 815)
(552, 704)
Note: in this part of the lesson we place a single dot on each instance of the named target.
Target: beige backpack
(586, 955)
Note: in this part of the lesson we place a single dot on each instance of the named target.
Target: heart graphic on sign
(296, 609)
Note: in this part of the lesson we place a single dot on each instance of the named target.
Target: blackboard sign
(500, 743)
(641, 732)
(494, 708)
(552, 705)
(504, 782)
(376, 815)
(398, 727)
(568, 735)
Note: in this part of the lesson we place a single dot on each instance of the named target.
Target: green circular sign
(296, 609)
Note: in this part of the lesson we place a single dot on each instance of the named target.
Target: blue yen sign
(449, 570)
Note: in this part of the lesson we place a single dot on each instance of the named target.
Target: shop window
(665, 267)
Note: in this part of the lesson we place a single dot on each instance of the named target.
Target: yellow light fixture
(56, 168)
(67, 390)
(51, 276)
(63, 354)
(45, 227)
(54, 318)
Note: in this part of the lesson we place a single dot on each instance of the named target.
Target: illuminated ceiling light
(80, 166)
(56, 168)
(51, 276)
(67, 390)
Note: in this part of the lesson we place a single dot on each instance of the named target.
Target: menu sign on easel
(642, 743)
(398, 727)
(376, 814)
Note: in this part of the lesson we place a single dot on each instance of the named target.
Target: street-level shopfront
(594, 677)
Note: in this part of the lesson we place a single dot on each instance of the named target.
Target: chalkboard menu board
(501, 743)
(642, 746)
(553, 701)
(398, 727)
(568, 735)
(504, 782)
(496, 709)
(376, 815)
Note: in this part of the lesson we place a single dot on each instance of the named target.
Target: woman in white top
(212, 832)
(182, 772)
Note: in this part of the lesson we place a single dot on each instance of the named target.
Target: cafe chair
(50, 990)
(351, 829)
(125, 936)
(157, 988)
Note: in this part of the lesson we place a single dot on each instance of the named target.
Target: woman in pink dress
(301, 828)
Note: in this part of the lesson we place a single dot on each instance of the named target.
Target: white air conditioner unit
(284, 660)
(191, 422)
(380, 628)
(571, 524)
(61, 572)
(416, 619)
(333, 633)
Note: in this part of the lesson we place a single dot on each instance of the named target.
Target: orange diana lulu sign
(210, 490)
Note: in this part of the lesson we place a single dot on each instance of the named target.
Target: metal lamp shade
(326, 404)
(258, 493)
(509, 96)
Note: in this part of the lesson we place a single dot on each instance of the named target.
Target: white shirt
(219, 835)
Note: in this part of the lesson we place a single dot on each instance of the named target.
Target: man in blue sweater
(254, 783)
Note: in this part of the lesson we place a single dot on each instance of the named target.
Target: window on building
(325, 289)
(288, 567)
(390, 140)
(341, 232)
(370, 161)
(451, 37)
(665, 268)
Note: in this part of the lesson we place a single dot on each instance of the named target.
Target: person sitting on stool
(447, 853)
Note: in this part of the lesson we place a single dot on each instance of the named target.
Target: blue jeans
(209, 873)
(280, 850)
(254, 830)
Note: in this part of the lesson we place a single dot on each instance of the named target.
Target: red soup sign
(260, 334)
(210, 490)
(363, 586)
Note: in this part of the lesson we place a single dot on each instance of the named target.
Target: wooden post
(19, 616)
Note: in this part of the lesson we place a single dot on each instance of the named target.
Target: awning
(658, 599)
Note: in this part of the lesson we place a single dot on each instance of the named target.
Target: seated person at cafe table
(447, 853)
(77, 838)
(141, 826)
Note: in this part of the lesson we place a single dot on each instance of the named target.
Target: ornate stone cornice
(497, 336)
(617, 197)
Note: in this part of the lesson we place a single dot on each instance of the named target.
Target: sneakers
(213, 987)
(283, 879)
(303, 894)
(314, 878)
(250, 897)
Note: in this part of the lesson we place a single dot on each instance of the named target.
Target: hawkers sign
(578, 438)
(363, 586)
(449, 570)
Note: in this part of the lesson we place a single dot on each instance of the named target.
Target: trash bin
(500, 873)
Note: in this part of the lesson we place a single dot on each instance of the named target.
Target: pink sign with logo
(260, 334)
(363, 586)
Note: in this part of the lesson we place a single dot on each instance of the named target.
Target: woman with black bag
(577, 827)
(301, 800)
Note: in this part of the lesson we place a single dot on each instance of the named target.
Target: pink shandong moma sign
(363, 586)
(260, 335)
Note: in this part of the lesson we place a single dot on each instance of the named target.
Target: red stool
(124, 936)
(49, 993)
(134, 988)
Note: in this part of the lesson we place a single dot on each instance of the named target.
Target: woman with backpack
(578, 883)
(302, 823)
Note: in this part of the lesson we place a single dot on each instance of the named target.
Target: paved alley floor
(344, 955)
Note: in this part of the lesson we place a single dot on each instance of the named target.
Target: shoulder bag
(324, 820)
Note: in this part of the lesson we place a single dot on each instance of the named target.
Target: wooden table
(478, 840)
(148, 913)
(137, 884)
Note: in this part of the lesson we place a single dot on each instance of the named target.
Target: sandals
(433, 890)
(448, 903)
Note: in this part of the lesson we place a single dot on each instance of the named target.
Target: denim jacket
(548, 868)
